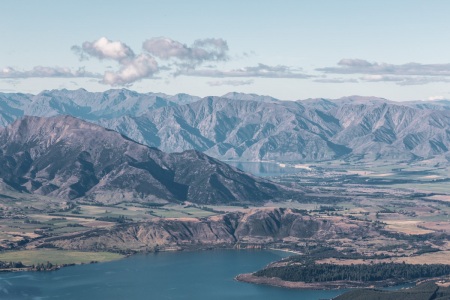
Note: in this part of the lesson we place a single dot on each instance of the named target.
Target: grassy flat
(29, 257)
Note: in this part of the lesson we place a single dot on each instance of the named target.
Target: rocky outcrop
(257, 227)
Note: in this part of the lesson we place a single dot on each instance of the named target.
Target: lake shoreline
(198, 275)
(56, 266)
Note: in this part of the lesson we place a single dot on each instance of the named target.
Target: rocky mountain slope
(393, 130)
(236, 129)
(251, 127)
(70, 158)
(361, 128)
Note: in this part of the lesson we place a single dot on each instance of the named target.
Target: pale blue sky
(286, 49)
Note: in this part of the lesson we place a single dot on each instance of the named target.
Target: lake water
(264, 169)
(181, 275)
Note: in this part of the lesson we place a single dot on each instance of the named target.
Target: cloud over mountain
(155, 56)
(210, 49)
(230, 82)
(261, 70)
(104, 48)
(361, 66)
(402, 74)
(168, 57)
(163, 56)
(336, 80)
(141, 66)
(41, 71)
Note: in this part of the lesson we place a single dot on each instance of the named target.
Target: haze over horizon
(227, 94)
(297, 50)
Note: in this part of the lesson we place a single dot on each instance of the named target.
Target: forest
(313, 272)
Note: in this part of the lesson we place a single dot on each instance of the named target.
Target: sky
(398, 50)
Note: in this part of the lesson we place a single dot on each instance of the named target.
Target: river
(201, 275)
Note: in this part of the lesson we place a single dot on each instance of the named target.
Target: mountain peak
(249, 97)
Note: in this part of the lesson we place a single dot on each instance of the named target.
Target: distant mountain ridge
(86, 105)
(235, 129)
(250, 127)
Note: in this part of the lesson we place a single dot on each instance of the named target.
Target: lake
(167, 275)
(264, 169)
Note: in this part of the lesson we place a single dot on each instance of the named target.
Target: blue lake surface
(179, 275)
(264, 169)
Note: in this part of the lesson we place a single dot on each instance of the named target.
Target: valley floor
(360, 214)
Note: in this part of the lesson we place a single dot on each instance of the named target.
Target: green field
(29, 257)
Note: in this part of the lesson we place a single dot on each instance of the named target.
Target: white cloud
(104, 48)
(132, 70)
(261, 70)
(402, 74)
(40, 71)
(360, 66)
(378, 78)
(230, 82)
(166, 48)
(163, 55)
(336, 80)
(433, 98)
(404, 80)
(132, 67)
(209, 49)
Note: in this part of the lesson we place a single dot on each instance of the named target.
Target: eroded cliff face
(255, 228)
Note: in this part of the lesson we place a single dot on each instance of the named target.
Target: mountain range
(251, 127)
(69, 158)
